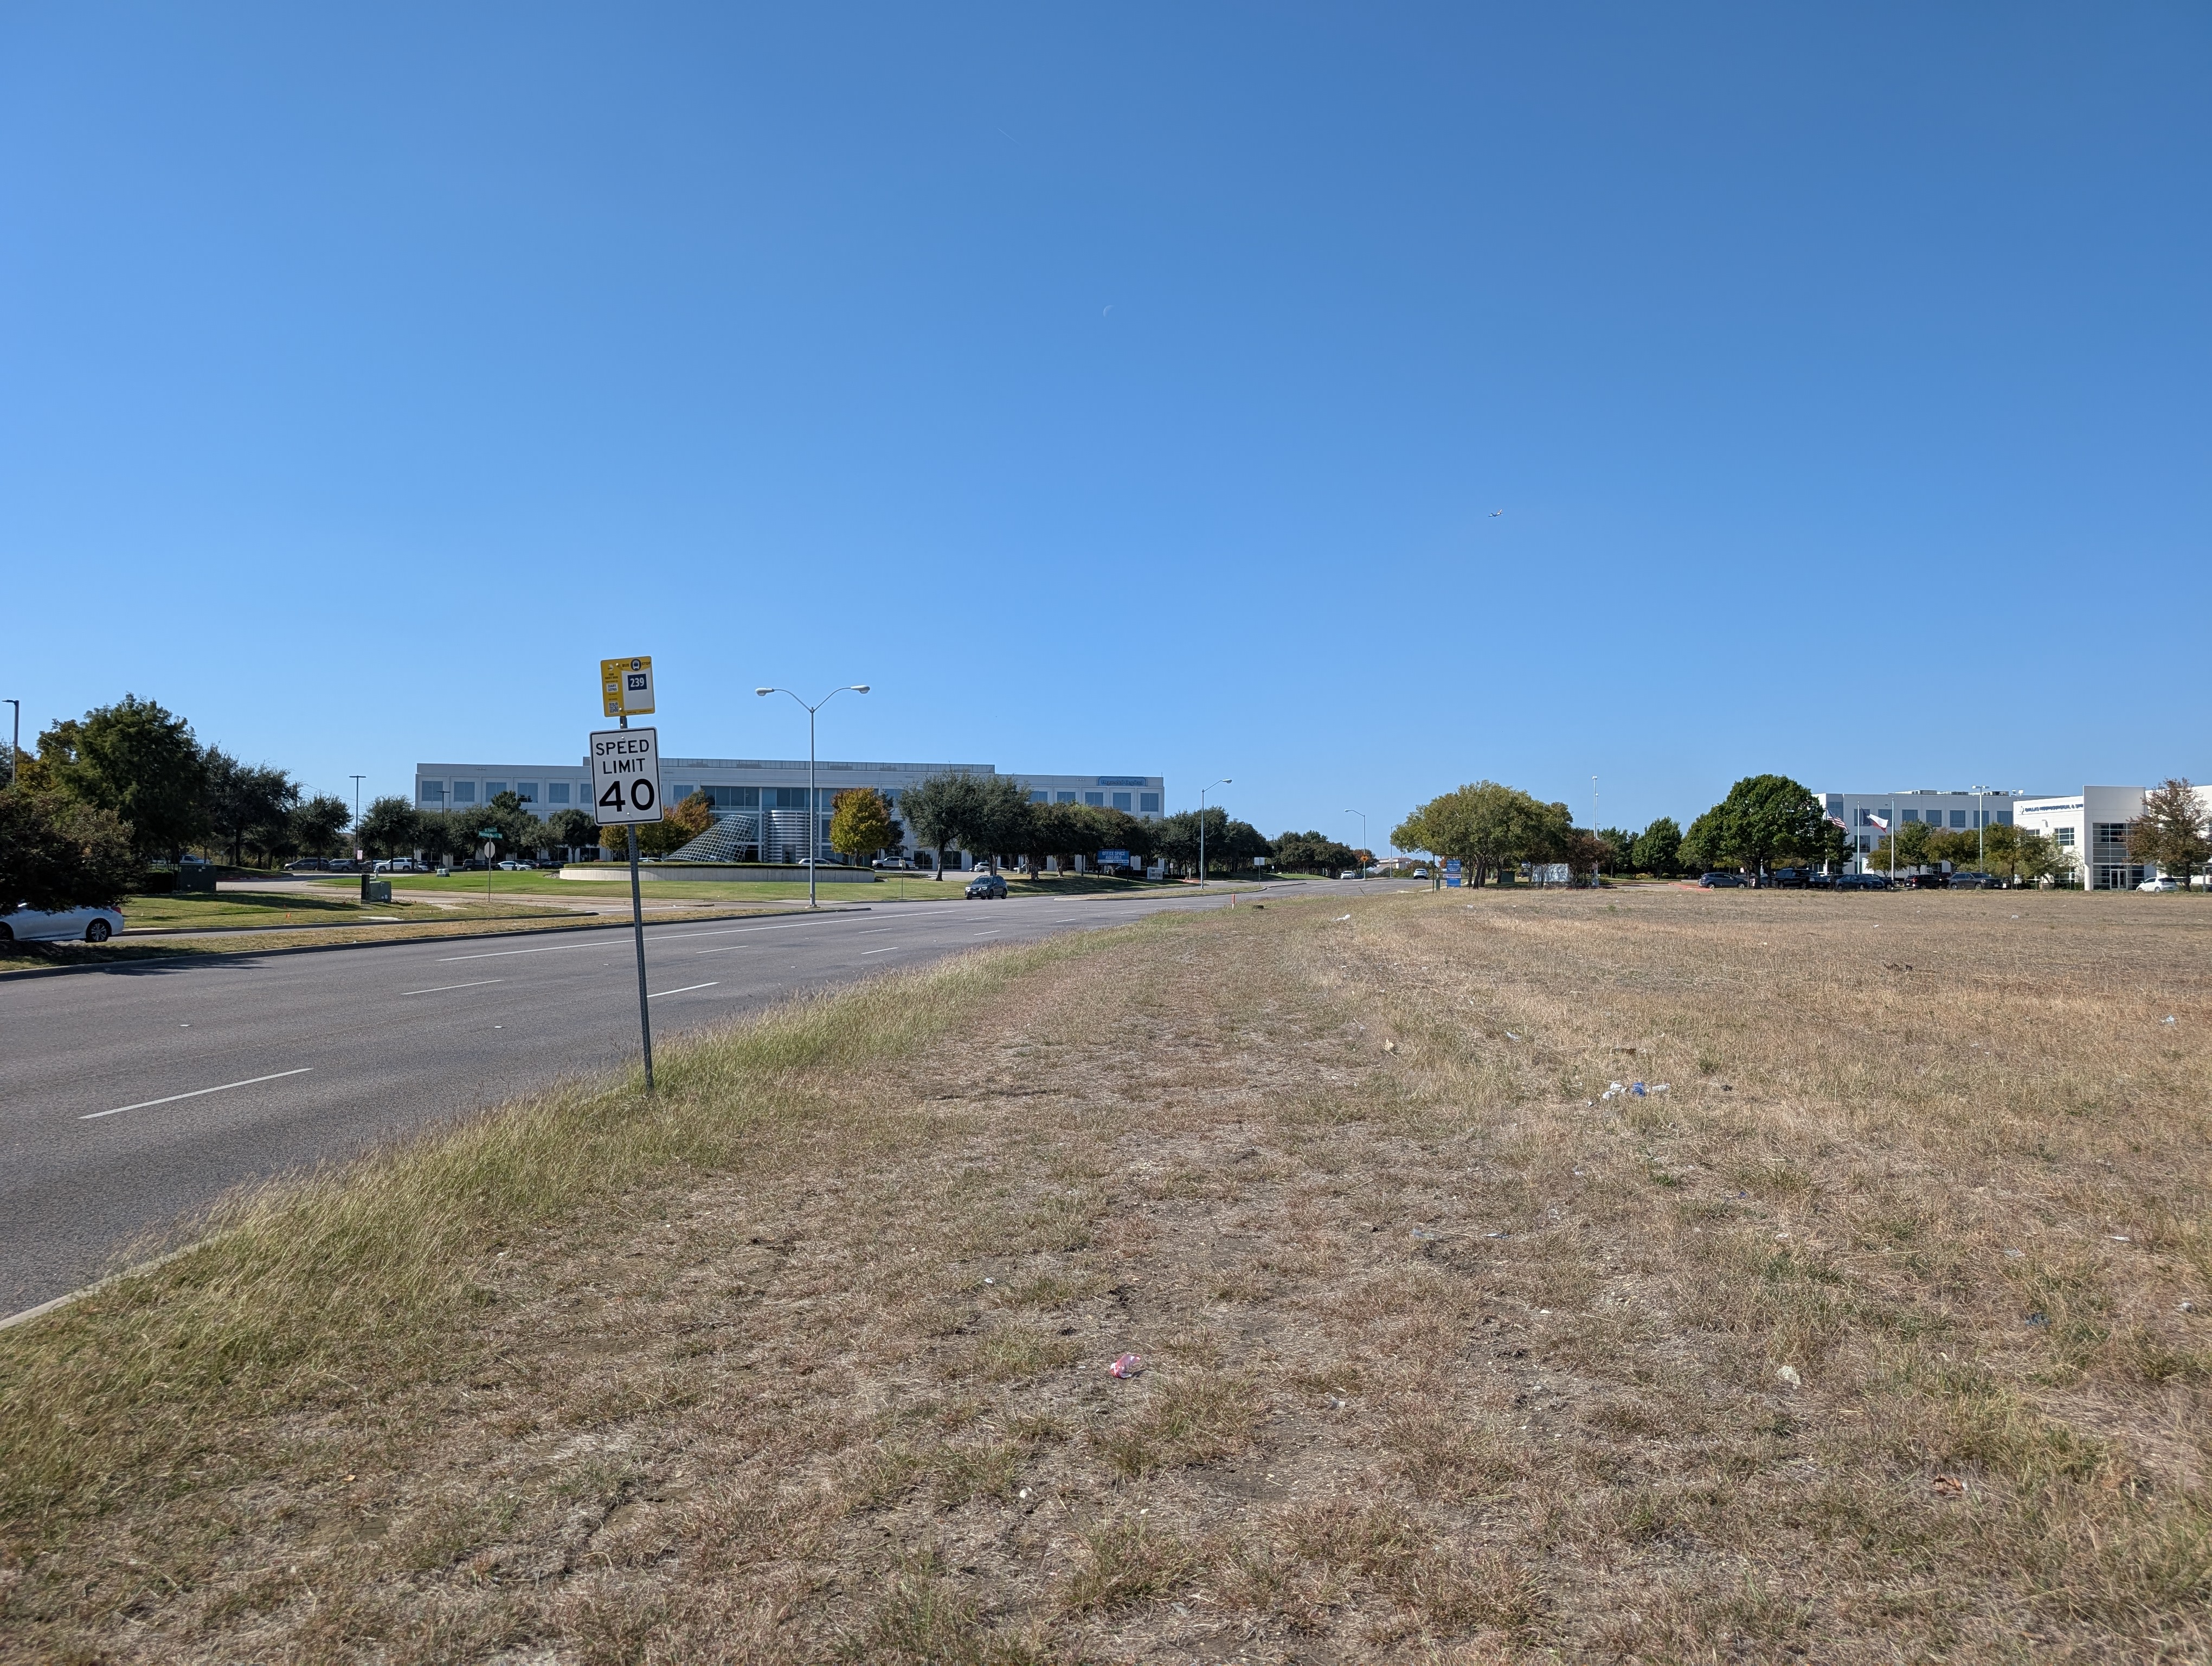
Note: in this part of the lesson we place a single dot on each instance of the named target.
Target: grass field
(236, 907)
(1879, 1336)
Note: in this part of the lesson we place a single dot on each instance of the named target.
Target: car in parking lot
(1791, 878)
(1975, 882)
(893, 862)
(2163, 882)
(1718, 881)
(308, 865)
(22, 925)
(1863, 882)
(986, 884)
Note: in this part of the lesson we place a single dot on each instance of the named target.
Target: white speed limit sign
(626, 776)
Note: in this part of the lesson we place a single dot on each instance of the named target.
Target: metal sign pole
(637, 930)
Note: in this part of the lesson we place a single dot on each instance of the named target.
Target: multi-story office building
(1860, 813)
(2092, 825)
(767, 796)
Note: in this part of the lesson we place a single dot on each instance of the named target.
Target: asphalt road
(133, 1095)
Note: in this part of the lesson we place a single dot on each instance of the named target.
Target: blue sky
(1125, 389)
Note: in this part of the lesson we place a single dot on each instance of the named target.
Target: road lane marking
(685, 990)
(888, 948)
(442, 988)
(987, 934)
(171, 1098)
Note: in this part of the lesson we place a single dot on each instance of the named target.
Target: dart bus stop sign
(626, 686)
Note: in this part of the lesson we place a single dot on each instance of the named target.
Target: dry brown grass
(1447, 1355)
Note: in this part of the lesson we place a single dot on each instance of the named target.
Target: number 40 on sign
(626, 776)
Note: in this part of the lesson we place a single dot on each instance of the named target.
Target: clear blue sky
(1124, 389)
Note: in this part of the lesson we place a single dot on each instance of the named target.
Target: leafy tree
(1619, 850)
(248, 804)
(1658, 849)
(388, 827)
(1769, 818)
(139, 761)
(519, 828)
(1312, 853)
(2037, 856)
(317, 823)
(1487, 826)
(1913, 844)
(943, 809)
(861, 822)
(1704, 846)
(678, 825)
(1062, 830)
(2170, 830)
(998, 818)
(1117, 830)
(1961, 847)
(1176, 837)
(57, 852)
(572, 829)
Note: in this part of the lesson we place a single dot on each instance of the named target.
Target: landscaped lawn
(232, 908)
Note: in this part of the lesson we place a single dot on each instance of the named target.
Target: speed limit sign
(626, 776)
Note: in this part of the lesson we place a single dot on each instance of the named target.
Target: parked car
(2163, 882)
(1722, 881)
(1420, 873)
(308, 865)
(1863, 882)
(892, 863)
(511, 866)
(1927, 881)
(1975, 882)
(1791, 878)
(21, 925)
(1349, 873)
(344, 865)
(986, 884)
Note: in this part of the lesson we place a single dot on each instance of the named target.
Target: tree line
(129, 785)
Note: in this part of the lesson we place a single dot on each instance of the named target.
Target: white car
(32, 926)
(2162, 883)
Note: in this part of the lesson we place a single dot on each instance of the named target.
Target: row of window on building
(1935, 817)
(1146, 803)
(464, 792)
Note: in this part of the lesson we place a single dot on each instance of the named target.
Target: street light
(358, 852)
(1362, 814)
(15, 742)
(1202, 792)
(813, 808)
(1982, 820)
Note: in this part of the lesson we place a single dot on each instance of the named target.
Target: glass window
(1097, 800)
(788, 798)
(732, 798)
(1040, 798)
(2004, 817)
(1958, 819)
(2065, 836)
(682, 790)
(1064, 798)
(1912, 815)
(1120, 800)
(1866, 841)
(493, 789)
(430, 791)
(556, 791)
(464, 792)
(1149, 803)
(526, 791)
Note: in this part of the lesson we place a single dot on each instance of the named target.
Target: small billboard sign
(1113, 858)
(626, 686)
(1453, 872)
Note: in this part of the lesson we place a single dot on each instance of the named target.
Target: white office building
(766, 797)
(2092, 825)
(1864, 814)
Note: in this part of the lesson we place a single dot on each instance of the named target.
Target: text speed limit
(626, 776)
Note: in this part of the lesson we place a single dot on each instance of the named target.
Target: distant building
(2092, 825)
(770, 793)
(1862, 814)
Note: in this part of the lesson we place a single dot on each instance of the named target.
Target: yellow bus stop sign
(626, 686)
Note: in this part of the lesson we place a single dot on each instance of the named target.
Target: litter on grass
(1127, 1365)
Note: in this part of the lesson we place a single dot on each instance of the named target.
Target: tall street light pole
(813, 805)
(15, 742)
(1362, 814)
(1202, 792)
(357, 851)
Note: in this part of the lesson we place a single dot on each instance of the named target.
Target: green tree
(1176, 839)
(2170, 830)
(572, 829)
(1658, 849)
(2037, 856)
(317, 823)
(388, 827)
(57, 852)
(1489, 827)
(139, 761)
(1704, 846)
(1312, 853)
(678, 825)
(248, 804)
(860, 822)
(942, 810)
(1766, 819)
(1911, 844)
(520, 830)
(998, 818)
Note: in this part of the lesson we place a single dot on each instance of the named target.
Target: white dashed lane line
(171, 1098)
(441, 989)
(888, 948)
(685, 990)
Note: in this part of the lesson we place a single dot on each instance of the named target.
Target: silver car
(33, 925)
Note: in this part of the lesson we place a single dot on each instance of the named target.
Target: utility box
(196, 877)
(375, 890)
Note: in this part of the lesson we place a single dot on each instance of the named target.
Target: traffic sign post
(490, 850)
(625, 791)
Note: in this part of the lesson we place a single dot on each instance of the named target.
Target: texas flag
(1878, 821)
